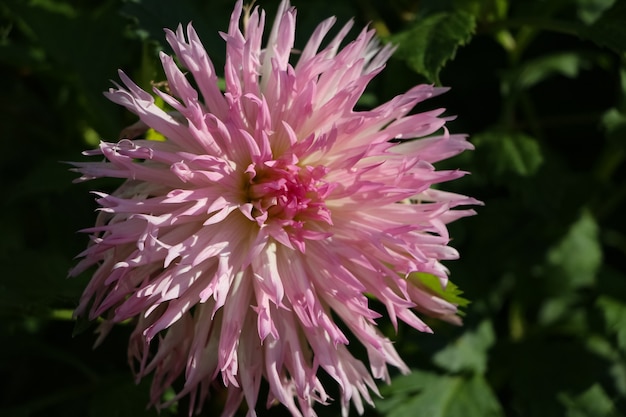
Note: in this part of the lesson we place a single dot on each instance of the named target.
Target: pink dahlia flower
(272, 210)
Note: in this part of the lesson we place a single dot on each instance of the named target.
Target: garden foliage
(540, 87)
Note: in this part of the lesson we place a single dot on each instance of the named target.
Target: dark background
(538, 85)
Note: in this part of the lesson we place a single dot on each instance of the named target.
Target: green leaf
(450, 293)
(607, 350)
(591, 10)
(594, 402)
(434, 40)
(568, 64)
(468, 352)
(487, 10)
(563, 309)
(614, 313)
(607, 26)
(609, 30)
(614, 122)
(483, 10)
(509, 152)
(433, 395)
(576, 259)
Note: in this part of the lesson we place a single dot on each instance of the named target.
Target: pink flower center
(290, 196)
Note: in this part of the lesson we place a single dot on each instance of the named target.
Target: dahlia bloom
(271, 210)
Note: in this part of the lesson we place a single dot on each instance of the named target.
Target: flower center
(290, 197)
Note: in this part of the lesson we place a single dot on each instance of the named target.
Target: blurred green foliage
(539, 85)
